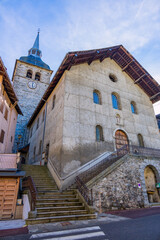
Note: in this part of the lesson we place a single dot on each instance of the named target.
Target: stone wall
(28, 98)
(120, 189)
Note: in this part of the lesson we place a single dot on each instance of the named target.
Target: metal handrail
(28, 184)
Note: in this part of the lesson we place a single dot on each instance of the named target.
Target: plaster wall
(9, 125)
(81, 114)
(53, 129)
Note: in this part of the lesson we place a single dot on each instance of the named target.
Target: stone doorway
(150, 182)
(121, 139)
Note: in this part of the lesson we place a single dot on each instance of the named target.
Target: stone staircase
(53, 205)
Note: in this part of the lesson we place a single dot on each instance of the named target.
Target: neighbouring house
(9, 175)
(98, 102)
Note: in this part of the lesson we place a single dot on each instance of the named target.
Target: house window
(34, 153)
(140, 140)
(2, 136)
(11, 138)
(37, 76)
(6, 114)
(29, 74)
(112, 77)
(99, 133)
(97, 97)
(37, 123)
(1, 107)
(31, 132)
(133, 107)
(40, 146)
(43, 116)
(116, 101)
(53, 101)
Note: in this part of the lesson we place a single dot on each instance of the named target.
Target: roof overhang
(120, 55)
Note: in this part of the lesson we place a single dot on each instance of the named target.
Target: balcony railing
(9, 161)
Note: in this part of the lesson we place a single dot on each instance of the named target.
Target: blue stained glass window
(96, 98)
(97, 133)
(115, 101)
(133, 108)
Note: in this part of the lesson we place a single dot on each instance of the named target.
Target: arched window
(29, 74)
(99, 133)
(133, 107)
(97, 97)
(116, 101)
(37, 76)
(140, 140)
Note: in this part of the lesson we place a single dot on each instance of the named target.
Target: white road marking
(80, 236)
(40, 235)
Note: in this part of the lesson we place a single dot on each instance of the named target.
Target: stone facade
(71, 125)
(28, 97)
(125, 187)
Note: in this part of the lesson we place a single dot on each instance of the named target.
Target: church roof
(120, 55)
(8, 87)
(34, 55)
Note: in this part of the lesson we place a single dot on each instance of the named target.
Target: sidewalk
(12, 227)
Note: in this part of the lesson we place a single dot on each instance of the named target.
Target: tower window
(133, 107)
(99, 133)
(116, 101)
(29, 74)
(37, 76)
(97, 97)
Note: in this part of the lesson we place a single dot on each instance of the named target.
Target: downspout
(44, 127)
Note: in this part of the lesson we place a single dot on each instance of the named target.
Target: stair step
(60, 218)
(53, 200)
(53, 196)
(61, 204)
(58, 193)
(61, 213)
(60, 209)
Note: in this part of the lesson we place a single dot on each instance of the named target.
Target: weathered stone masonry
(119, 189)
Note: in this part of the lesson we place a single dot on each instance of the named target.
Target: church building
(98, 102)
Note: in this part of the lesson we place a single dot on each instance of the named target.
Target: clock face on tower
(32, 85)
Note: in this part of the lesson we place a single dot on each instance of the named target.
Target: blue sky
(68, 25)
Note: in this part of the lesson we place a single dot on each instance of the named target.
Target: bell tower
(31, 78)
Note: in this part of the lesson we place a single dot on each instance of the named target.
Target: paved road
(144, 224)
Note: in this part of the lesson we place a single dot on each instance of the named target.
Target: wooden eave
(8, 87)
(120, 55)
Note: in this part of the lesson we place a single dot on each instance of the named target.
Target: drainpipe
(44, 127)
